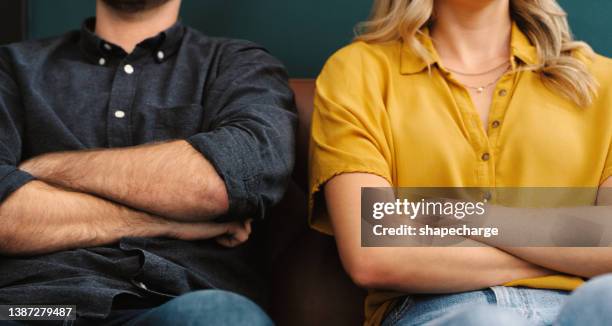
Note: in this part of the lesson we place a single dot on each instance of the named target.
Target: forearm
(445, 270)
(39, 218)
(413, 269)
(585, 262)
(169, 179)
(568, 231)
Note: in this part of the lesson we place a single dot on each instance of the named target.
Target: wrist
(143, 225)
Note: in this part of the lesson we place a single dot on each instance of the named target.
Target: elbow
(7, 245)
(209, 201)
(382, 270)
(8, 251)
(366, 271)
(364, 277)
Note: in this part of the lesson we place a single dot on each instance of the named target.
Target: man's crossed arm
(168, 179)
(40, 218)
(96, 197)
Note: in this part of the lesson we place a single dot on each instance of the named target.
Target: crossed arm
(168, 179)
(442, 270)
(92, 198)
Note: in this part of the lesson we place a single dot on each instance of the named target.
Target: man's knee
(482, 315)
(226, 307)
(209, 307)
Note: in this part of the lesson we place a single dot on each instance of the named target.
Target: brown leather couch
(309, 285)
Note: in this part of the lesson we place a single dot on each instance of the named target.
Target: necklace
(505, 63)
(481, 89)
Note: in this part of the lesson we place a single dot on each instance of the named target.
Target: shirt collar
(411, 63)
(168, 42)
(522, 48)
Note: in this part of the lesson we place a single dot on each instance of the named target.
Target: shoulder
(18, 60)
(361, 64)
(195, 37)
(362, 55)
(601, 67)
(225, 49)
(29, 52)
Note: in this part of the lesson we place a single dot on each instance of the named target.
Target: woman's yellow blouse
(380, 109)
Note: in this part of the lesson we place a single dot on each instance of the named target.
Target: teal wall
(302, 33)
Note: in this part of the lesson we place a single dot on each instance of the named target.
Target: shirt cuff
(606, 174)
(11, 179)
(233, 160)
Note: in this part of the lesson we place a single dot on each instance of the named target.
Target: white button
(102, 61)
(160, 55)
(119, 114)
(108, 46)
(128, 69)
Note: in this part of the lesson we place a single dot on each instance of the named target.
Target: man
(133, 155)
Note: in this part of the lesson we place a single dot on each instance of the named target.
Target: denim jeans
(590, 304)
(206, 307)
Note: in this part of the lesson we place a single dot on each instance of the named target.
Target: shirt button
(102, 61)
(503, 92)
(486, 157)
(107, 46)
(487, 196)
(495, 124)
(129, 69)
(119, 114)
(142, 286)
(160, 55)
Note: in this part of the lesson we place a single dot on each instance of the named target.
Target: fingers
(228, 241)
(237, 234)
(247, 224)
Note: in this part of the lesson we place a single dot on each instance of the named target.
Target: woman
(464, 93)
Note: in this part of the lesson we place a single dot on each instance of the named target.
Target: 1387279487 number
(34, 312)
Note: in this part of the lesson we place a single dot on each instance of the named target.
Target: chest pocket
(178, 122)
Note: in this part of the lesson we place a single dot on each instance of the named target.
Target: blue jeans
(205, 307)
(590, 304)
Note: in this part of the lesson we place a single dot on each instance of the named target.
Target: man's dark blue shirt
(229, 99)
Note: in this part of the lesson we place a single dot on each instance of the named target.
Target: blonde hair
(543, 21)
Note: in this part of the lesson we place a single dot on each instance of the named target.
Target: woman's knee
(597, 288)
(589, 304)
(482, 315)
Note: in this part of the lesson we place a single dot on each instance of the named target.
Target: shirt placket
(120, 104)
(497, 114)
(484, 144)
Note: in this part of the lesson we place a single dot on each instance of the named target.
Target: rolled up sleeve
(11, 179)
(11, 130)
(250, 113)
(607, 172)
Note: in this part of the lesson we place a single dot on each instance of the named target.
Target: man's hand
(229, 235)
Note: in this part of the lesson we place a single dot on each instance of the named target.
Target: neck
(463, 31)
(128, 29)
